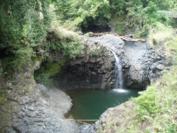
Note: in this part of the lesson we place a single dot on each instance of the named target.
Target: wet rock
(87, 128)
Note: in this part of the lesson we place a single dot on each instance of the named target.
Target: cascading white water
(119, 75)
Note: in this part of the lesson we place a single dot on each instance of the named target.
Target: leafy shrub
(138, 16)
(171, 47)
(22, 22)
(66, 42)
(23, 26)
(157, 105)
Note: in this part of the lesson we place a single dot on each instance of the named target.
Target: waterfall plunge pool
(90, 104)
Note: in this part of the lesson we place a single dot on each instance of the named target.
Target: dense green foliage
(140, 15)
(21, 24)
(23, 31)
(124, 16)
(24, 24)
(22, 28)
(77, 13)
(147, 103)
(157, 105)
(68, 43)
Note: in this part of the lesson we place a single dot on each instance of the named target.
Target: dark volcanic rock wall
(95, 68)
(94, 71)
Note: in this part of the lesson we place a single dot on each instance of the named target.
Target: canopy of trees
(24, 24)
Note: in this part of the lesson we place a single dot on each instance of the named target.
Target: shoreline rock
(42, 111)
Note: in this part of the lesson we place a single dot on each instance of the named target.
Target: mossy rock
(3, 96)
(47, 71)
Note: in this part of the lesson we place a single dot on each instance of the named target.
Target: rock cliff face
(95, 68)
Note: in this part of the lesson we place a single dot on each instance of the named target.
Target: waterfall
(119, 75)
(119, 84)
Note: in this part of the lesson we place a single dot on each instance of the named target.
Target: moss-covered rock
(48, 70)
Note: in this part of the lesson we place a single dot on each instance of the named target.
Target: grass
(63, 33)
(2, 97)
(158, 104)
(159, 34)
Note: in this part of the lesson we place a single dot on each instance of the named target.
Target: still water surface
(90, 104)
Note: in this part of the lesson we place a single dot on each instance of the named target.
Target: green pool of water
(90, 104)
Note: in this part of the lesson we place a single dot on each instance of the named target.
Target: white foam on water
(120, 90)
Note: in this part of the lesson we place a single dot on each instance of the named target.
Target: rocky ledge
(116, 118)
(40, 111)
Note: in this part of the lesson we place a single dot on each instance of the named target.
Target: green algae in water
(90, 104)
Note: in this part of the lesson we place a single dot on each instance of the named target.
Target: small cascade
(119, 75)
(119, 85)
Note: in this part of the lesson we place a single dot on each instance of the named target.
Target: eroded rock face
(95, 68)
(94, 73)
(39, 111)
(45, 113)
(145, 64)
(135, 75)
